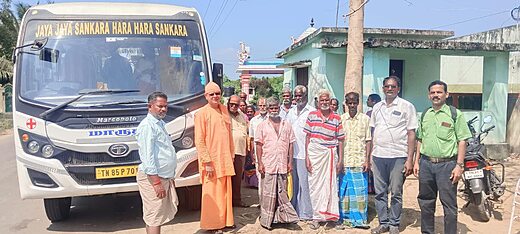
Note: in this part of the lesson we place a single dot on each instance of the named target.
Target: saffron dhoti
(217, 203)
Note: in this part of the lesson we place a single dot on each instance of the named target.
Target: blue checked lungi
(353, 197)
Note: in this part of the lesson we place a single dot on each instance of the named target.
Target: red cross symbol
(31, 124)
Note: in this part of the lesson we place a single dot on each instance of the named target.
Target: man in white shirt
(286, 102)
(253, 124)
(297, 116)
(394, 121)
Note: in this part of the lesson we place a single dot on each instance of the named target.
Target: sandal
(314, 225)
(339, 226)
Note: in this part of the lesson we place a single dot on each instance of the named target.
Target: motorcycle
(482, 185)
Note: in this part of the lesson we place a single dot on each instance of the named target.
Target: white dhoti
(157, 211)
(323, 183)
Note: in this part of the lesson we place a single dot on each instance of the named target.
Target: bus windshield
(81, 56)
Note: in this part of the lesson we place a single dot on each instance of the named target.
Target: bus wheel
(194, 196)
(57, 209)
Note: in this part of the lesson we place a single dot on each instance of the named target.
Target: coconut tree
(6, 71)
(9, 27)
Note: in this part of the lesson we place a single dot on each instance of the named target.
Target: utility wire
(225, 18)
(476, 18)
(359, 8)
(222, 7)
(206, 11)
(337, 13)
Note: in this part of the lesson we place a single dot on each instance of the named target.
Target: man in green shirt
(439, 160)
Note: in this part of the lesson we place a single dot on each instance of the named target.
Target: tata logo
(112, 132)
(118, 150)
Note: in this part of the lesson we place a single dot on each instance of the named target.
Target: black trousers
(434, 178)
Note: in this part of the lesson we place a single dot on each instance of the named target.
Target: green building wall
(420, 67)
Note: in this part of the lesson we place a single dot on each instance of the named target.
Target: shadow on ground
(112, 213)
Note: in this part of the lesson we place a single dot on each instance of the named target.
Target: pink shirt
(275, 147)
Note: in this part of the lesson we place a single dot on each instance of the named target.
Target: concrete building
(506, 35)
(477, 72)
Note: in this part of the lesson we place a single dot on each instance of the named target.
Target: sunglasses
(233, 104)
(214, 94)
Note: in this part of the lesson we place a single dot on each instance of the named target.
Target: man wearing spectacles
(215, 149)
(394, 121)
(239, 127)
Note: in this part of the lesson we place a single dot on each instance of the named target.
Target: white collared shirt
(391, 123)
(298, 123)
(254, 122)
(283, 112)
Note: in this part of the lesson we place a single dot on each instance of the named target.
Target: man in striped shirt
(324, 134)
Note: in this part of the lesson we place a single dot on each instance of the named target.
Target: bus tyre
(57, 209)
(194, 197)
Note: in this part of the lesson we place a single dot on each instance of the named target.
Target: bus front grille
(82, 166)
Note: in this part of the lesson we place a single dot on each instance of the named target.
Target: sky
(267, 26)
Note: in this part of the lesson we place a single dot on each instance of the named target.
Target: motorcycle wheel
(483, 206)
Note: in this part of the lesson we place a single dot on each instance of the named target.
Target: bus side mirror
(218, 73)
(49, 55)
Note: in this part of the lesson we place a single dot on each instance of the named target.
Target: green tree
(277, 85)
(6, 71)
(9, 26)
(232, 83)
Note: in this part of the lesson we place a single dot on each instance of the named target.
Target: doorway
(302, 76)
(396, 69)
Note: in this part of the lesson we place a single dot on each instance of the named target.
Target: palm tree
(9, 27)
(6, 71)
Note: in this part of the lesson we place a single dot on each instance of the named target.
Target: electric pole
(354, 65)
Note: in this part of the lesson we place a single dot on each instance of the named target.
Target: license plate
(116, 172)
(474, 174)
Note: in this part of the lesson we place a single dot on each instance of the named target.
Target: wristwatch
(460, 164)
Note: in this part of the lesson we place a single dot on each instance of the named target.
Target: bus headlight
(37, 145)
(47, 151)
(33, 147)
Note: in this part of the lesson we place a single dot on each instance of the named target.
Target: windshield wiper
(82, 94)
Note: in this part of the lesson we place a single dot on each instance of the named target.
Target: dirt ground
(246, 219)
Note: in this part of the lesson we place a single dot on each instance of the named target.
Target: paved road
(101, 214)
(122, 214)
(88, 214)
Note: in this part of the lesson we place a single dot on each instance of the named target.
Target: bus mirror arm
(37, 44)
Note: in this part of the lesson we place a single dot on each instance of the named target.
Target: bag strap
(453, 112)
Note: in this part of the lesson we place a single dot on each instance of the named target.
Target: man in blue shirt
(156, 174)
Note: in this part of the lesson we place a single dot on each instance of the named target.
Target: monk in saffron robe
(215, 149)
